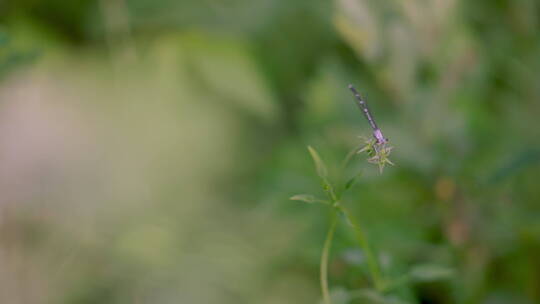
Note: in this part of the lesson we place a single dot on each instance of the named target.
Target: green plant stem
(324, 257)
(372, 261)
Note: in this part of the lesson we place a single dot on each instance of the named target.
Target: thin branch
(324, 258)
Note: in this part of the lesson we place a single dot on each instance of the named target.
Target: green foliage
(307, 198)
(149, 148)
(322, 171)
(337, 207)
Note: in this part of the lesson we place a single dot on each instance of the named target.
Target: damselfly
(377, 133)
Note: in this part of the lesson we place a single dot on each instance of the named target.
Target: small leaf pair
(307, 198)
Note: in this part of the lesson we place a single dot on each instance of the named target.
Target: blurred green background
(148, 148)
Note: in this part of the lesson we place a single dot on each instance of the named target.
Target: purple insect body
(377, 133)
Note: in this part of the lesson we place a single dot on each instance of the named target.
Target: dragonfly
(377, 133)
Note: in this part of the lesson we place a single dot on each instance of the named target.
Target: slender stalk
(324, 258)
(372, 261)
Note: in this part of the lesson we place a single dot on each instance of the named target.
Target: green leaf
(350, 182)
(430, 272)
(319, 164)
(307, 198)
